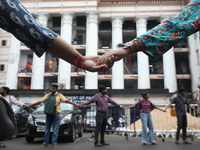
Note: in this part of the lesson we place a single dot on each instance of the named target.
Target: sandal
(44, 145)
(186, 142)
(54, 145)
(2, 144)
(146, 144)
(177, 143)
(154, 143)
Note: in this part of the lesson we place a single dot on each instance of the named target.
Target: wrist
(78, 62)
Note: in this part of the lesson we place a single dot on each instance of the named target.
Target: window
(106, 83)
(157, 84)
(3, 42)
(2, 67)
(77, 82)
(130, 84)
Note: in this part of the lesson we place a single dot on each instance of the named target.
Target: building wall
(145, 14)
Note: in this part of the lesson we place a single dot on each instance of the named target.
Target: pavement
(117, 142)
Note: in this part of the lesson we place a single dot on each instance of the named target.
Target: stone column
(169, 68)
(91, 78)
(13, 63)
(143, 59)
(193, 42)
(64, 69)
(117, 69)
(37, 80)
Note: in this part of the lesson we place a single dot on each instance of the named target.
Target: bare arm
(82, 104)
(189, 106)
(160, 109)
(67, 101)
(169, 105)
(33, 104)
(131, 106)
(67, 52)
(120, 53)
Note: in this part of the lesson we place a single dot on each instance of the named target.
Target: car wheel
(80, 134)
(29, 139)
(72, 134)
(15, 134)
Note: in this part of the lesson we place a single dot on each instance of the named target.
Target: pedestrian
(101, 100)
(161, 38)
(180, 101)
(145, 106)
(16, 19)
(52, 110)
(4, 91)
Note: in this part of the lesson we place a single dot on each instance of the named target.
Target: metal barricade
(127, 122)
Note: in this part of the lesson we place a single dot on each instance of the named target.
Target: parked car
(21, 115)
(71, 123)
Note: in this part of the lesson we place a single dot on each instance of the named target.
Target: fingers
(101, 68)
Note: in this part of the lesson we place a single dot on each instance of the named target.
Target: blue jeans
(52, 120)
(147, 122)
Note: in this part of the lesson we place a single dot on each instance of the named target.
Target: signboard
(173, 112)
(79, 99)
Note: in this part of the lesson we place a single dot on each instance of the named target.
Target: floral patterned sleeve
(14, 18)
(165, 35)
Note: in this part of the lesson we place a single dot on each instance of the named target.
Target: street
(116, 143)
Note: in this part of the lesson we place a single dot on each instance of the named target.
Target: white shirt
(12, 100)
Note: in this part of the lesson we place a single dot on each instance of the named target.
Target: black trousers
(101, 122)
(182, 124)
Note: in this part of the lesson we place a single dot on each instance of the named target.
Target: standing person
(180, 101)
(145, 106)
(52, 118)
(4, 91)
(16, 19)
(161, 38)
(101, 99)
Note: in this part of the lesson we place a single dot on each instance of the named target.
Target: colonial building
(94, 27)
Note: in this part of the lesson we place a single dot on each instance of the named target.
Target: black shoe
(98, 145)
(105, 144)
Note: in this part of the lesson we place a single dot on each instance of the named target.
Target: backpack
(8, 124)
(50, 104)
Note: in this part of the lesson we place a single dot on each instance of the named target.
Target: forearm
(131, 106)
(63, 50)
(168, 105)
(193, 108)
(33, 104)
(85, 103)
(67, 101)
(128, 48)
(159, 108)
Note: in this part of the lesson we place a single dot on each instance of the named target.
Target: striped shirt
(145, 106)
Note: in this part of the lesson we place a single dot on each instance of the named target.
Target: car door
(22, 119)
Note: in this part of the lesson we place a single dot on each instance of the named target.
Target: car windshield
(63, 107)
(15, 108)
(91, 113)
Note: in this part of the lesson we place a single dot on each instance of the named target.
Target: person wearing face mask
(180, 101)
(4, 91)
(101, 99)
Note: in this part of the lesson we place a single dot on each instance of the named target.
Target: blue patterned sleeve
(165, 35)
(16, 19)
